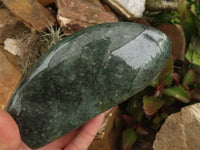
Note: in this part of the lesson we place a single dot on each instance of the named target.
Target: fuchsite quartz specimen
(84, 75)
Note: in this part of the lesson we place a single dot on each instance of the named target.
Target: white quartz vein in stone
(132, 56)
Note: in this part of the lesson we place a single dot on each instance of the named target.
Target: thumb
(9, 133)
(87, 133)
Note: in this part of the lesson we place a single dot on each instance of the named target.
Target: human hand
(78, 139)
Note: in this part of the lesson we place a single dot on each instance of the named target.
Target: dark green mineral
(84, 75)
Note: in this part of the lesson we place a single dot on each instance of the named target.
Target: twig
(157, 5)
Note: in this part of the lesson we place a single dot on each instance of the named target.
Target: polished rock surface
(84, 75)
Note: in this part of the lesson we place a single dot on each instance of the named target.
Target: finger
(23, 146)
(86, 135)
(9, 133)
(61, 142)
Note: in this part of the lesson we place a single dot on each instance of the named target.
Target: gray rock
(128, 8)
(180, 131)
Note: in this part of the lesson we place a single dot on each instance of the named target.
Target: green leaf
(189, 54)
(129, 137)
(154, 83)
(166, 80)
(187, 20)
(151, 104)
(166, 76)
(156, 123)
(196, 58)
(193, 53)
(195, 9)
(178, 92)
(195, 68)
(158, 18)
(163, 115)
(169, 100)
(137, 114)
(157, 120)
(188, 78)
(134, 108)
(169, 67)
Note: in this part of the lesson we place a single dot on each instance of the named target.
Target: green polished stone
(84, 75)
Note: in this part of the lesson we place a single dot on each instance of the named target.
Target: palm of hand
(78, 139)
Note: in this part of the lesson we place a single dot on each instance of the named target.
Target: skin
(78, 139)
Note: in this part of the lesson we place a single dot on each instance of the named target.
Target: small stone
(74, 15)
(9, 78)
(10, 26)
(46, 2)
(180, 130)
(128, 8)
(27, 48)
(84, 75)
(13, 46)
(177, 38)
(31, 12)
